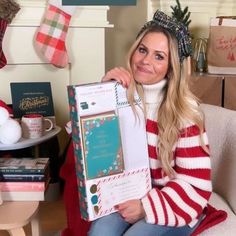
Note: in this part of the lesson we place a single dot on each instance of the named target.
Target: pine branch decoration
(181, 15)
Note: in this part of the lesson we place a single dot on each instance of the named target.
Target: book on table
(24, 179)
(24, 191)
(23, 165)
(24, 186)
(23, 195)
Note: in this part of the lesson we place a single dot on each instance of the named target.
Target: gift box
(110, 147)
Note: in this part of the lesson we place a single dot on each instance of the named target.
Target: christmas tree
(181, 15)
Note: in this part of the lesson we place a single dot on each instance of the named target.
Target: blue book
(23, 178)
(102, 145)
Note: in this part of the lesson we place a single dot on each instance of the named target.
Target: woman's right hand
(119, 74)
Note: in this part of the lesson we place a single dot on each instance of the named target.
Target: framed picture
(99, 2)
(29, 98)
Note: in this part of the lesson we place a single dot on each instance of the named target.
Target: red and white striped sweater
(181, 200)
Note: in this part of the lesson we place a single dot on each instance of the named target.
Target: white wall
(128, 20)
(86, 49)
(201, 12)
(85, 43)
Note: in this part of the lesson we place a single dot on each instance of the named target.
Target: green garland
(181, 15)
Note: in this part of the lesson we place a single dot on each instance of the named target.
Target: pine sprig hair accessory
(178, 29)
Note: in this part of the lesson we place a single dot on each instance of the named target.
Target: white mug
(33, 126)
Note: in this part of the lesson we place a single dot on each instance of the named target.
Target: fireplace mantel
(85, 16)
(85, 44)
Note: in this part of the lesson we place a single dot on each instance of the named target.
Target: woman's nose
(146, 59)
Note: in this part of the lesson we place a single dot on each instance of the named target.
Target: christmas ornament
(10, 132)
(51, 35)
(10, 129)
(4, 115)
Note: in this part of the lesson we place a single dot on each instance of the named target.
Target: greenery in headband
(176, 28)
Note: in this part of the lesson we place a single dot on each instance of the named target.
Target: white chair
(221, 130)
(14, 215)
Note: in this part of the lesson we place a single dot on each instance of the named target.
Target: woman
(177, 143)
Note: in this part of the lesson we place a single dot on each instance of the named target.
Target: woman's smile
(143, 69)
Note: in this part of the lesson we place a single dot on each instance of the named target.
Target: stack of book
(24, 179)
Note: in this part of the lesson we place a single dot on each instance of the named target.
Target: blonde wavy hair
(178, 106)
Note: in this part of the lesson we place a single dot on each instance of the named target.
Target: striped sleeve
(182, 199)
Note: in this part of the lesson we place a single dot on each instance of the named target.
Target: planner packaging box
(110, 147)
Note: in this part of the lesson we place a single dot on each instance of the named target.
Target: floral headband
(175, 27)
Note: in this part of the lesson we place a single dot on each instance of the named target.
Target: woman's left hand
(131, 210)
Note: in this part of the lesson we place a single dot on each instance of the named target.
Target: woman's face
(150, 60)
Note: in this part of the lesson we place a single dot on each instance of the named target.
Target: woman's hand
(119, 74)
(131, 210)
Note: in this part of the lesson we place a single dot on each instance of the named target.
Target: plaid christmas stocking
(3, 26)
(51, 35)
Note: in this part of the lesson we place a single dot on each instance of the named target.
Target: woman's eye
(159, 57)
(142, 50)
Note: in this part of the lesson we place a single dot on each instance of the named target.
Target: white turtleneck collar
(153, 93)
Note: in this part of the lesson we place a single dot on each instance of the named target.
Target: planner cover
(102, 145)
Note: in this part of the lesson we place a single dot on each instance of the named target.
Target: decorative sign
(28, 98)
(98, 2)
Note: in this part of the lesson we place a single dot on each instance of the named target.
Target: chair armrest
(221, 130)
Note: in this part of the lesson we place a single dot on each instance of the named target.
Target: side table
(24, 143)
(14, 215)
